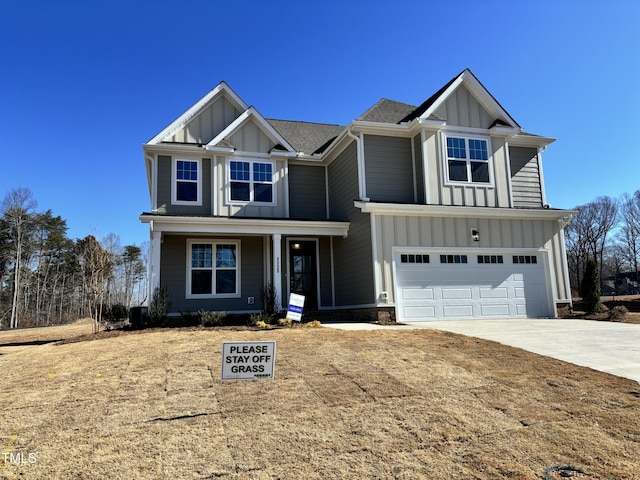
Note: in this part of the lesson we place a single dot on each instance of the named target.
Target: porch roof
(193, 224)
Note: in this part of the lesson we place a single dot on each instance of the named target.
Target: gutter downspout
(362, 191)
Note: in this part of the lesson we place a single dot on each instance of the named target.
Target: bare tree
(16, 209)
(629, 237)
(588, 233)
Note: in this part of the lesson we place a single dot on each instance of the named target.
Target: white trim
(154, 183)
(276, 265)
(317, 255)
(326, 192)
(509, 179)
(413, 170)
(480, 94)
(461, 211)
(377, 271)
(284, 181)
(333, 274)
(445, 157)
(182, 120)
(262, 123)
(174, 181)
(244, 226)
(213, 242)
(425, 163)
(541, 175)
(251, 161)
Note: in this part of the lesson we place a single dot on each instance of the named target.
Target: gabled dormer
(464, 149)
(220, 157)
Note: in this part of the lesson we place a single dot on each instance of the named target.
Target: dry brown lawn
(344, 405)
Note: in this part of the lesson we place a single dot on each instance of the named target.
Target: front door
(302, 271)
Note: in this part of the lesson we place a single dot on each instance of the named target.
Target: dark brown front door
(302, 271)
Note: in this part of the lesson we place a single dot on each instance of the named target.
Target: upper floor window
(251, 181)
(186, 182)
(468, 160)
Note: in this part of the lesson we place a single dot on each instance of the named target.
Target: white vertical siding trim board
(413, 172)
(377, 269)
(361, 169)
(565, 266)
(508, 165)
(333, 274)
(276, 264)
(326, 201)
(154, 184)
(425, 164)
(284, 181)
(541, 176)
(214, 194)
(156, 245)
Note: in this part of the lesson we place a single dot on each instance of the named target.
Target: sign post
(296, 304)
(248, 360)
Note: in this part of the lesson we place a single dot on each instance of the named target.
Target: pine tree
(590, 287)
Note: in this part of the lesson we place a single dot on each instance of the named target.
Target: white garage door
(442, 285)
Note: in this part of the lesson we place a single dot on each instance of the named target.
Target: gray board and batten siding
(207, 124)
(353, 271)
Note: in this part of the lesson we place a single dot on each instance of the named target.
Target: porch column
(276, 277)
(154, 273)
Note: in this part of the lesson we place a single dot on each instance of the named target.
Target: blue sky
(83, 84)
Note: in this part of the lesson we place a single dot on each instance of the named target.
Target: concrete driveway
(605, 346)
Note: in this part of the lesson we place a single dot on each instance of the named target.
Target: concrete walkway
(605, 346)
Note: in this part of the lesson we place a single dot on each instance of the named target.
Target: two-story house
(422, 212)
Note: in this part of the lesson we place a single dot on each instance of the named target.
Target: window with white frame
(213, 269)
(251, 181)
(468, 160)
(186, 182)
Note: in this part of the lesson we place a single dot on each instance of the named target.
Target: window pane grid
(187, 170)
(209, 277)
(240, 171)
(456, 148)
(472, 167)
(251, 181)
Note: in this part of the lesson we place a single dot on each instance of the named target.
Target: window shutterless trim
(213, 268)
(467, 148)
(255, 180)
(174, 181)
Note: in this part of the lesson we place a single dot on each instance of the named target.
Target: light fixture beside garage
(475, 235)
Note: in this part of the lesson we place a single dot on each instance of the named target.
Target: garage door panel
(472, 290)
(498, 310)
(417, 293)
(456, 293)
(419, 312)
(457, 311)
(500, 292)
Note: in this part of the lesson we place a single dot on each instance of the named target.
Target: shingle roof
(307, 137)
(387, 111)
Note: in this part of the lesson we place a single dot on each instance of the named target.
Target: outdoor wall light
(296, 246)
(475, 235)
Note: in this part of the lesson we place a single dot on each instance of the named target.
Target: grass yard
(384, 404)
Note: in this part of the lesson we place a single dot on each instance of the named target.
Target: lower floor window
(213, 269)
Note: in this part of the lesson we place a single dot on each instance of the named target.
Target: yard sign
(296, 302)
(248, 360)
